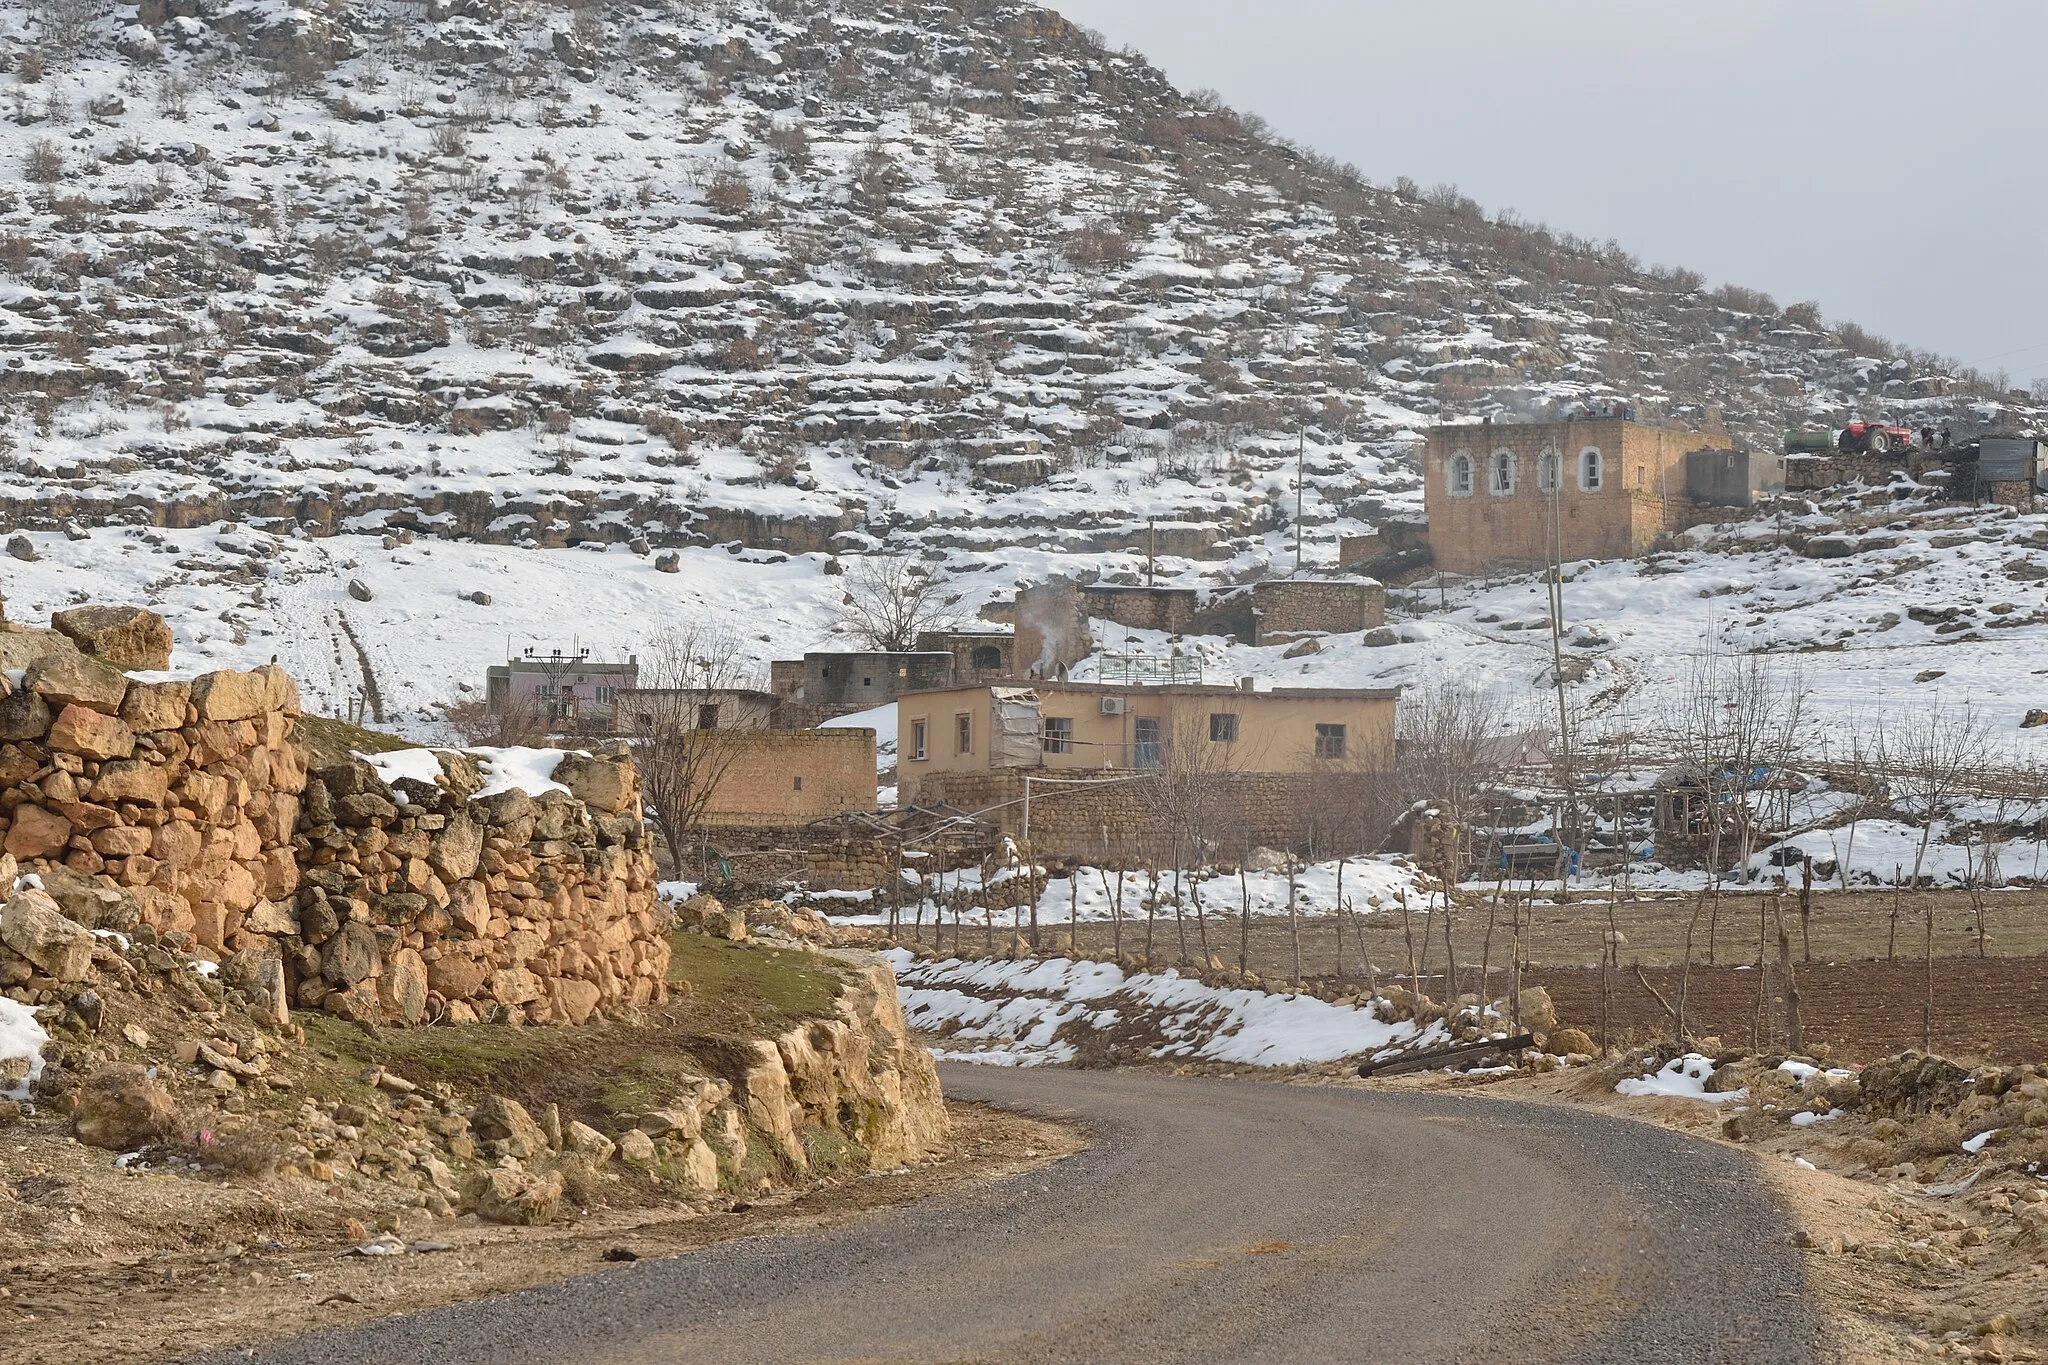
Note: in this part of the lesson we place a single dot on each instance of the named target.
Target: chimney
(1244, 684)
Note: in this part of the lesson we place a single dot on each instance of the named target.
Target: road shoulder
(179, 1305)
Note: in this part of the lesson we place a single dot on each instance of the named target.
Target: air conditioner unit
(1112, 706)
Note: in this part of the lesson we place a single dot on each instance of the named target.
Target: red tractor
(1869, 438)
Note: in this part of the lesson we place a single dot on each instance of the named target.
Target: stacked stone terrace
(181, 810)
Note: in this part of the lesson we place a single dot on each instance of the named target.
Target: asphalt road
(1214, 1221)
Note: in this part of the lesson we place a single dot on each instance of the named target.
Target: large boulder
(90, 734)
(231, 695)
(126, 637)
(121, 1108)
(350, 955)
(500, 1195)
(74, 680)
(499, 1119)
(155, 706)
(91, 902)
(603, 784)
(455, 850)
(34, 926)
(402, 989)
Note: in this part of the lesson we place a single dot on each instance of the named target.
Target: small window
(988, 656)
(1058, 735)
(1145, 742)
(1223, 727)
(707, 716)
(1458, 474)
(1546, 471)
(1503, 472)
(1589, 470)
(799, 784)
(963, 733)
(917, 739)
(1329, 741)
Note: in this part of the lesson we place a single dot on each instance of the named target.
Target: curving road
(1214, 1221)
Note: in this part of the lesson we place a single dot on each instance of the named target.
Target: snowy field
(1008, 1013)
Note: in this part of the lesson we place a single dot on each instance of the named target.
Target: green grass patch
(768, 982)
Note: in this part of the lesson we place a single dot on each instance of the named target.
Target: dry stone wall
(425, 899)
(182, 810)
(145, 802)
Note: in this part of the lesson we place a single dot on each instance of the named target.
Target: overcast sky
(1882, 157)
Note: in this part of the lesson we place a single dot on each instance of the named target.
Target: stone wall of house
(1329, 813)
(777, 778)
(421, 900)
(1289, 607)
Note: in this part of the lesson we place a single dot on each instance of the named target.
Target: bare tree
(890, 599)
(1936, 754)
(1452, 744)
(515, 721)
(686, 675)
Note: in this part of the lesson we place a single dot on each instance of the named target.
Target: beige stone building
(783, 778)
(1133, 773)
(1501, 496)
(1077, 727)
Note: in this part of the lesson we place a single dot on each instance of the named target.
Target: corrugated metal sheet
(2007, 459)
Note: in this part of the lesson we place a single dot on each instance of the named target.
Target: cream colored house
(1082, 726)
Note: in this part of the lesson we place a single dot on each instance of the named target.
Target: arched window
(1458, 474)
(987, 656)
(1503, 480)
(1546, 471)
(1589, 470)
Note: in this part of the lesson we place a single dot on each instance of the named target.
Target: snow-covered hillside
(765, 282)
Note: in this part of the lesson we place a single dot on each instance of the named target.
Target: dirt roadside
(235, 1288)
(1897, 1273)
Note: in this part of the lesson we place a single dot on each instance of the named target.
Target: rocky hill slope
(518, 271)
(808, 276)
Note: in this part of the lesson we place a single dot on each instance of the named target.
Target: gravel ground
(1215, 1220)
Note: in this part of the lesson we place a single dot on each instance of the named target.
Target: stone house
(828, 683)
(786, 778)
(1505, 496)
(1292, 766)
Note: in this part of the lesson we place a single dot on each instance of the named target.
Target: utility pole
(1300, 451)
(1556, 577)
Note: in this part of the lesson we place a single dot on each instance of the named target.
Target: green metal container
(1808, 442)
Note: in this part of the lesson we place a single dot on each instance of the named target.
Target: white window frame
(1596, 466)
(918, 731)
(1503, 462)
(1459, 463)
(1547, 472)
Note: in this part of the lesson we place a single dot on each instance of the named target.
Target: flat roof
(1169, 690)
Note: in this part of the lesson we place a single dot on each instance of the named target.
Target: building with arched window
(1505, 496)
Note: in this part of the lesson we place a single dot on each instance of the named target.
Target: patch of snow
(1976, 1144)
(1685, 1077)
(1015, 1009)
(21, 1036)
